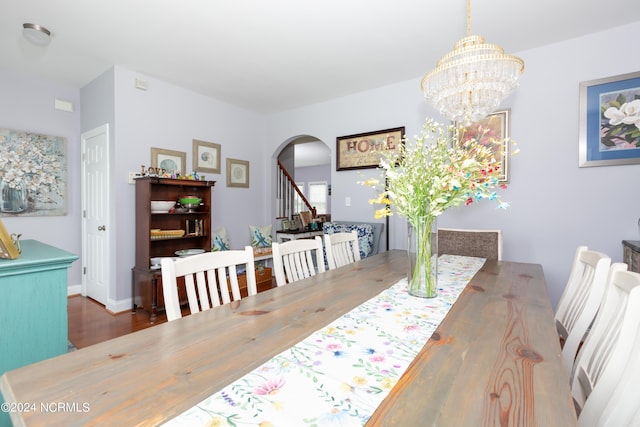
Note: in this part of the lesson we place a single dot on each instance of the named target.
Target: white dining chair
(207, 279)
(606, 350)
(623, 405)
(580, 300)
(467, 242)
(341, 249)
(297, 259)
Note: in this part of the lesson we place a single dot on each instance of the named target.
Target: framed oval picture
(237, 173)
(206, 156)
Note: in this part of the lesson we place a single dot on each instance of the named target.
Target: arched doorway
(308, 161)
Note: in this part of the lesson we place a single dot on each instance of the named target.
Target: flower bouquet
(441, 168)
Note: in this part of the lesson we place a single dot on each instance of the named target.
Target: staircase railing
(286, 192)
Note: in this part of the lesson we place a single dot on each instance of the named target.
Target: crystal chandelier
(469, 82)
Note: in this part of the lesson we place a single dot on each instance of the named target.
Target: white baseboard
(74, 290)
(119, 306)
(113, 306)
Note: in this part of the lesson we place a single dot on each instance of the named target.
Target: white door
(95, 214)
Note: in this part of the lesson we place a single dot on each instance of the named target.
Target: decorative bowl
(190, 200)
(158, 206)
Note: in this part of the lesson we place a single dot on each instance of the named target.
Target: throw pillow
(220, 241)
(260, 236)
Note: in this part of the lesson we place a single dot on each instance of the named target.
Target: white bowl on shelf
(189, 252)
(160, 206)
(156, 262)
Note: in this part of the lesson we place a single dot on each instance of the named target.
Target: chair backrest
(606, 350)
(341, 248)
(294, 260)
(580, 300)
(476, 243)
(623, 405)
(207, 279)
(376, 227)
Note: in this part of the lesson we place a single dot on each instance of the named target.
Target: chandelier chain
(468, 17)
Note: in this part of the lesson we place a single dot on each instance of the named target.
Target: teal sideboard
(33, 305)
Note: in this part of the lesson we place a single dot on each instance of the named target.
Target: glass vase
(13, 196)
(423, 257)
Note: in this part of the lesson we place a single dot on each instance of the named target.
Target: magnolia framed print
(206, 156)
(494, 132)
(610, 121)
(173, 162)
(237, 173)
(362, 151)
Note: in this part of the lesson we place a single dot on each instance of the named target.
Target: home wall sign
(362, 151)
(33, 174)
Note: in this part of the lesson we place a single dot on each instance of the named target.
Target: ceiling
(270, 56)
(312, 153)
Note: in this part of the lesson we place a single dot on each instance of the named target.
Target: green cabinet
(33, 305)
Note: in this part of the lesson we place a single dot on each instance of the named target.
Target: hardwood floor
(90, 323)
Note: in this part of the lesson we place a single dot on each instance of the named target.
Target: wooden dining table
(494, 360)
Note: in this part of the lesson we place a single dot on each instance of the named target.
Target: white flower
(35, 161)
(628, 114)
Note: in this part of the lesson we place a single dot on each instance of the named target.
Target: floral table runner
(341, 373)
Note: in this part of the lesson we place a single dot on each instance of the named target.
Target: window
(317, 196)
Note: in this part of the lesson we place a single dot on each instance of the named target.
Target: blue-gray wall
(27, 104)
(556, 206)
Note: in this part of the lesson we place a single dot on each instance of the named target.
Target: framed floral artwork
(173, 162)
(33, 174)
(206, 156)
(237, 173)
(610, 121)
(362, 151)
(493, 131)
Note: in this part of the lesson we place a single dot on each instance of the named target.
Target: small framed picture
(206, 156)
(294, 224)
(237, 173)
(609, 132)
(174, 162)
(305, 218)
(8, 249)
